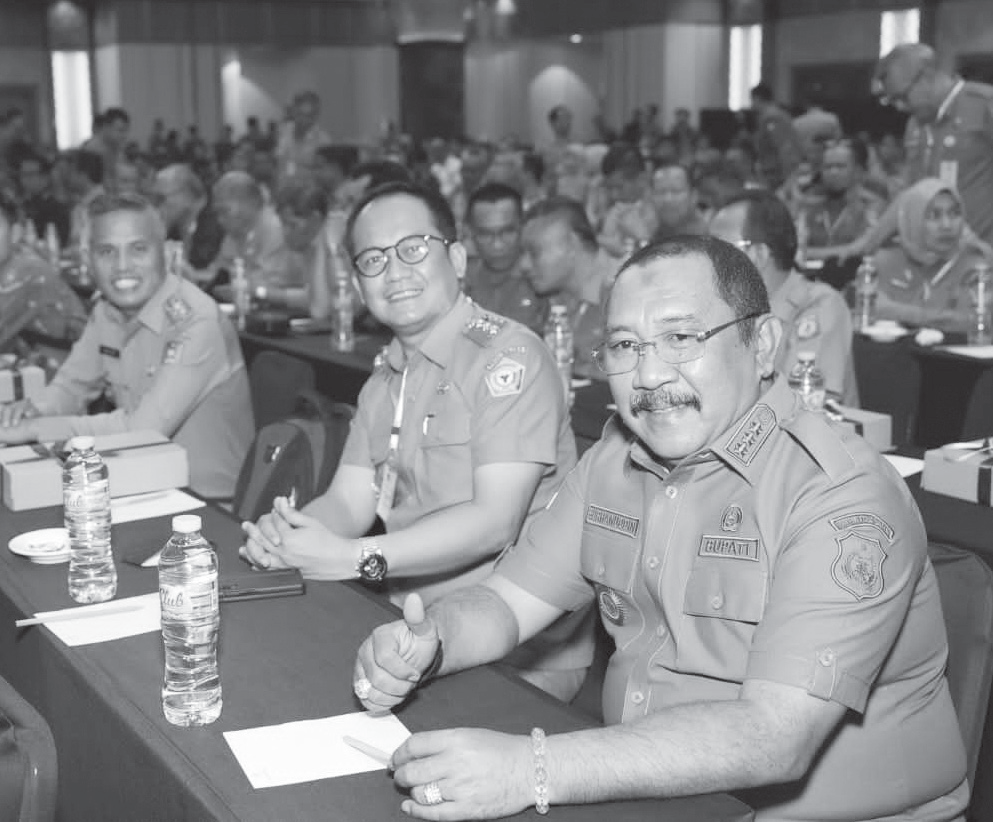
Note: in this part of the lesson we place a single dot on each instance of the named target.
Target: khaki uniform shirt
(264, 252)
(176, 368)
(816, 319)
(789, 552)
(481, 390)
(958, 148)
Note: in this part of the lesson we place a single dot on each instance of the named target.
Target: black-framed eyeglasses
(489, 237)
(674, 347)
(900, 100)
(371, 262)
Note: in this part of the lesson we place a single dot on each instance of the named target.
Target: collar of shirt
(947, 102)
(777, 403)
(440, 343)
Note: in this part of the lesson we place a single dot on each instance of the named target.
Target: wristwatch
(372, 564)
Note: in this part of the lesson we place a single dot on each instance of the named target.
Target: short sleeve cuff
(548, 587)
(820, 676)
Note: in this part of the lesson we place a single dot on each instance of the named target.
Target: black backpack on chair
(294, 457)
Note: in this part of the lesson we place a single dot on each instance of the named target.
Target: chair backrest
(294, 457)
(276, 379)
(28, 761)
(966, 585)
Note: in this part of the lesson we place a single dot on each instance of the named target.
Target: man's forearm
(476, 627)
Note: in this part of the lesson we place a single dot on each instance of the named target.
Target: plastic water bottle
(558, 337)
(240, 294)
(866, 288)
(53, 248)
(807, 382)
(191, 693)
(980, 326)
(86, 502)
(343, 312)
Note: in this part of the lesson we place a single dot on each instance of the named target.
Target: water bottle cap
(805, 356)
(81, 443)
(186, 523)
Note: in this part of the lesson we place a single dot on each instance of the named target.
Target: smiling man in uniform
(764, 576)
(157, 347)
(460, 434)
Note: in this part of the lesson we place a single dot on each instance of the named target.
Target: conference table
(281, 660)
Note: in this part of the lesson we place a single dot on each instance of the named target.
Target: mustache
(661, 399)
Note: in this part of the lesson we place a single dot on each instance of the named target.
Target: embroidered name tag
(107, 351)
(729, 548)
(612, 520)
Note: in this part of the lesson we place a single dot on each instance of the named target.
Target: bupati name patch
(612, 520)
(729, 548)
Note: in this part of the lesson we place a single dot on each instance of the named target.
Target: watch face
(373, 568)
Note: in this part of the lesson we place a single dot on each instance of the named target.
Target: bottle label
(91, 497)
(189, 600)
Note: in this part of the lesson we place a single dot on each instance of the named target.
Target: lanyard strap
(398, 416)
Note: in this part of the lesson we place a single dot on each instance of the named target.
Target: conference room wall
(963, 28)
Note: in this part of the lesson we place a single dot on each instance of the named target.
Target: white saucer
(886, 332)
(48, 546)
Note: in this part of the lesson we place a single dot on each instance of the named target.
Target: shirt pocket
(723, 602)
(444, 470)
(610, 564)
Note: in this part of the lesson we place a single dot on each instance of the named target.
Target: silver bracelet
(540, 772)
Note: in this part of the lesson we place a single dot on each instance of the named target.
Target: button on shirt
(816, 319)
(176, 368)
(791, 553)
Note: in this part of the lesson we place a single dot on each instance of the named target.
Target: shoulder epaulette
(481, 328)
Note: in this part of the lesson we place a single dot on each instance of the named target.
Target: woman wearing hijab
(923, 281)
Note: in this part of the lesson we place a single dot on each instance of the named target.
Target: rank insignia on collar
(731, 521)
(177, 310)
(506, 378)
(807, 326)
(611, 605)
(749, 437)
(173, 351)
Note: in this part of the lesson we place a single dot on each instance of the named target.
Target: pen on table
(371, 751)
(79, 613)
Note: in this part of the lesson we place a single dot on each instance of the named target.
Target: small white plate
(886, 332)
(48, 546)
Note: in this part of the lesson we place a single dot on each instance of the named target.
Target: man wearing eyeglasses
(949, 135)
(814, 315)
(460, 434)
(763, 575)
(494, 279)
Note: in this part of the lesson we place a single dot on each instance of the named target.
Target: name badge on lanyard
(387, 485)
(949, 172)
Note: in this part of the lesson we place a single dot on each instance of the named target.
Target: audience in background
(300, 138)
(186, 208)
(494, 277)
(675, 198)
(566, 267)
(924, 280)
(38, 203)
(629, 219)
(815, 318)
(777, 145)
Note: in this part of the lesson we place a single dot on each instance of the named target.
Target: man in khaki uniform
(157, 346)
(815, 317)
(763, 573)
(460, 435)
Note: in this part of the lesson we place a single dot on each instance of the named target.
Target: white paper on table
(152, 504)
(313, 749)
(143, 620)
(978, 352)
(907, 466)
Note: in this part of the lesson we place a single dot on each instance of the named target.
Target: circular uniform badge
(807, 326)
(611, 605)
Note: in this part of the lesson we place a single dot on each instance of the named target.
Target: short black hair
(763, 91)
(302, 199)
(116, 114)
(623, 158)
(345, 157)
(737, 280)
(768, 221)
(87, 163)
(568, 211)
(494, 192)
(437, 206)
